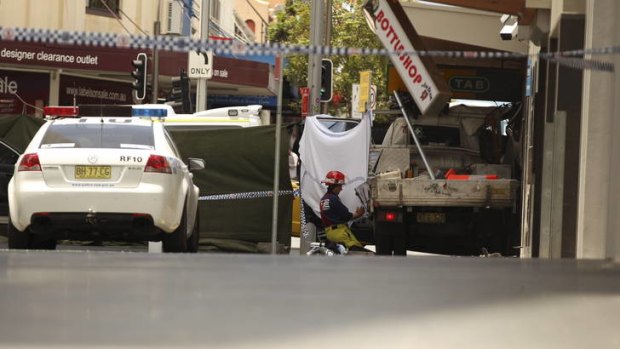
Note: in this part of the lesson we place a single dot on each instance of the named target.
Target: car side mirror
(195, 164)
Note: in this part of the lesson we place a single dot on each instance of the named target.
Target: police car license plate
(93, 172)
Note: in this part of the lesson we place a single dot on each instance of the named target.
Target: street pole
(328, 39)
(155, 80)
(276, 165)
(314, 59)
(201, 86)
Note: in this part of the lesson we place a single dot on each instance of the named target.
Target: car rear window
(104, 135)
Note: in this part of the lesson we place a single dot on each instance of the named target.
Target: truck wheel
(18, 239)
(177, 240)
(193, 241)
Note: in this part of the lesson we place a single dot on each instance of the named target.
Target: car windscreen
(437, 135)
(103, 135)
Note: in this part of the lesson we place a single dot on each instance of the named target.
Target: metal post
(201, 86)
(276, 163)
(314, 59)
(328, 38)
(415, 138)
(155, 80)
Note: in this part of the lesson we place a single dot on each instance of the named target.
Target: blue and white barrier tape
(249, 195)
(186, 44)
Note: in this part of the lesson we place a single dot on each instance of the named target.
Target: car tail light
(390, 216)
(30, 162)
(158, 164)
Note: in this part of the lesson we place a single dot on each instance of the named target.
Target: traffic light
(139, 74)
(327, 69)
(181, 92)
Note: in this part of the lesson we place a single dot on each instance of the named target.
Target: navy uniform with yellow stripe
(335, 215)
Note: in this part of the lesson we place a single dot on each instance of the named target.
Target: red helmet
(334, 177)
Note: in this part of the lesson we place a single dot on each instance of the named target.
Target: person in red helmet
(335, 215)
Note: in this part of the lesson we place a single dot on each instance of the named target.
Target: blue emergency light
(149, 112)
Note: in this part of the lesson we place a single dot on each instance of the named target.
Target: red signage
(305, 100)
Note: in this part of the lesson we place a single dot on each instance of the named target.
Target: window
(98, 7)
(338, 125)
(105, 135)
(250, 23)
(215, 10)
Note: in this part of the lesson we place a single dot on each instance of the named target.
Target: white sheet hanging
(322, 150)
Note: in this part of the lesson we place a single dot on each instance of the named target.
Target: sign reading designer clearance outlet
(390, 23)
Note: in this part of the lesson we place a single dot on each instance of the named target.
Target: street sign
(388, 20)
(200, 65)
(355, 95)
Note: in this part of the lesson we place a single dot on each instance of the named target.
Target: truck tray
(441, 192)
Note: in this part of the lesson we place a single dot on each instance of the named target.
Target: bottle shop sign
(429, 94)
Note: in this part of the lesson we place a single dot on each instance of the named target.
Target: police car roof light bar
(148, 112)
(61, 111)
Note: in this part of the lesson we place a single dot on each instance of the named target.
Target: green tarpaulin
(239, 160)
(18, 130)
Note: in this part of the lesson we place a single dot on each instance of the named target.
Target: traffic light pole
(328, 40)
(201, 86)
(155, 82)
(314, 59)
(276, 165)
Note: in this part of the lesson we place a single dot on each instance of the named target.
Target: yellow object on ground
(296, 219)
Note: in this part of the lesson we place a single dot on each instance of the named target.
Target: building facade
(34, 74)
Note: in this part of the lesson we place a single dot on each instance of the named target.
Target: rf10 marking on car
(131, 158)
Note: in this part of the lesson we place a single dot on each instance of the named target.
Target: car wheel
(193, 241)
(177, 240)
(18, 239)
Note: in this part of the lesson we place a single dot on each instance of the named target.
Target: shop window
(98, 7)
(215, 10)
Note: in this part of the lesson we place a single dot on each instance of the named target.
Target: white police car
(103, 178)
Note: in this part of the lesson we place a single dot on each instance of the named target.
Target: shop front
(33, 75)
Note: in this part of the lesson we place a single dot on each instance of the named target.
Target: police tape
(583, 64)
(186, 44)
(249, 195)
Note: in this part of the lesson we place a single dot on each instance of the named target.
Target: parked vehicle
(218, 118)
(465, 201)
(103, 178)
